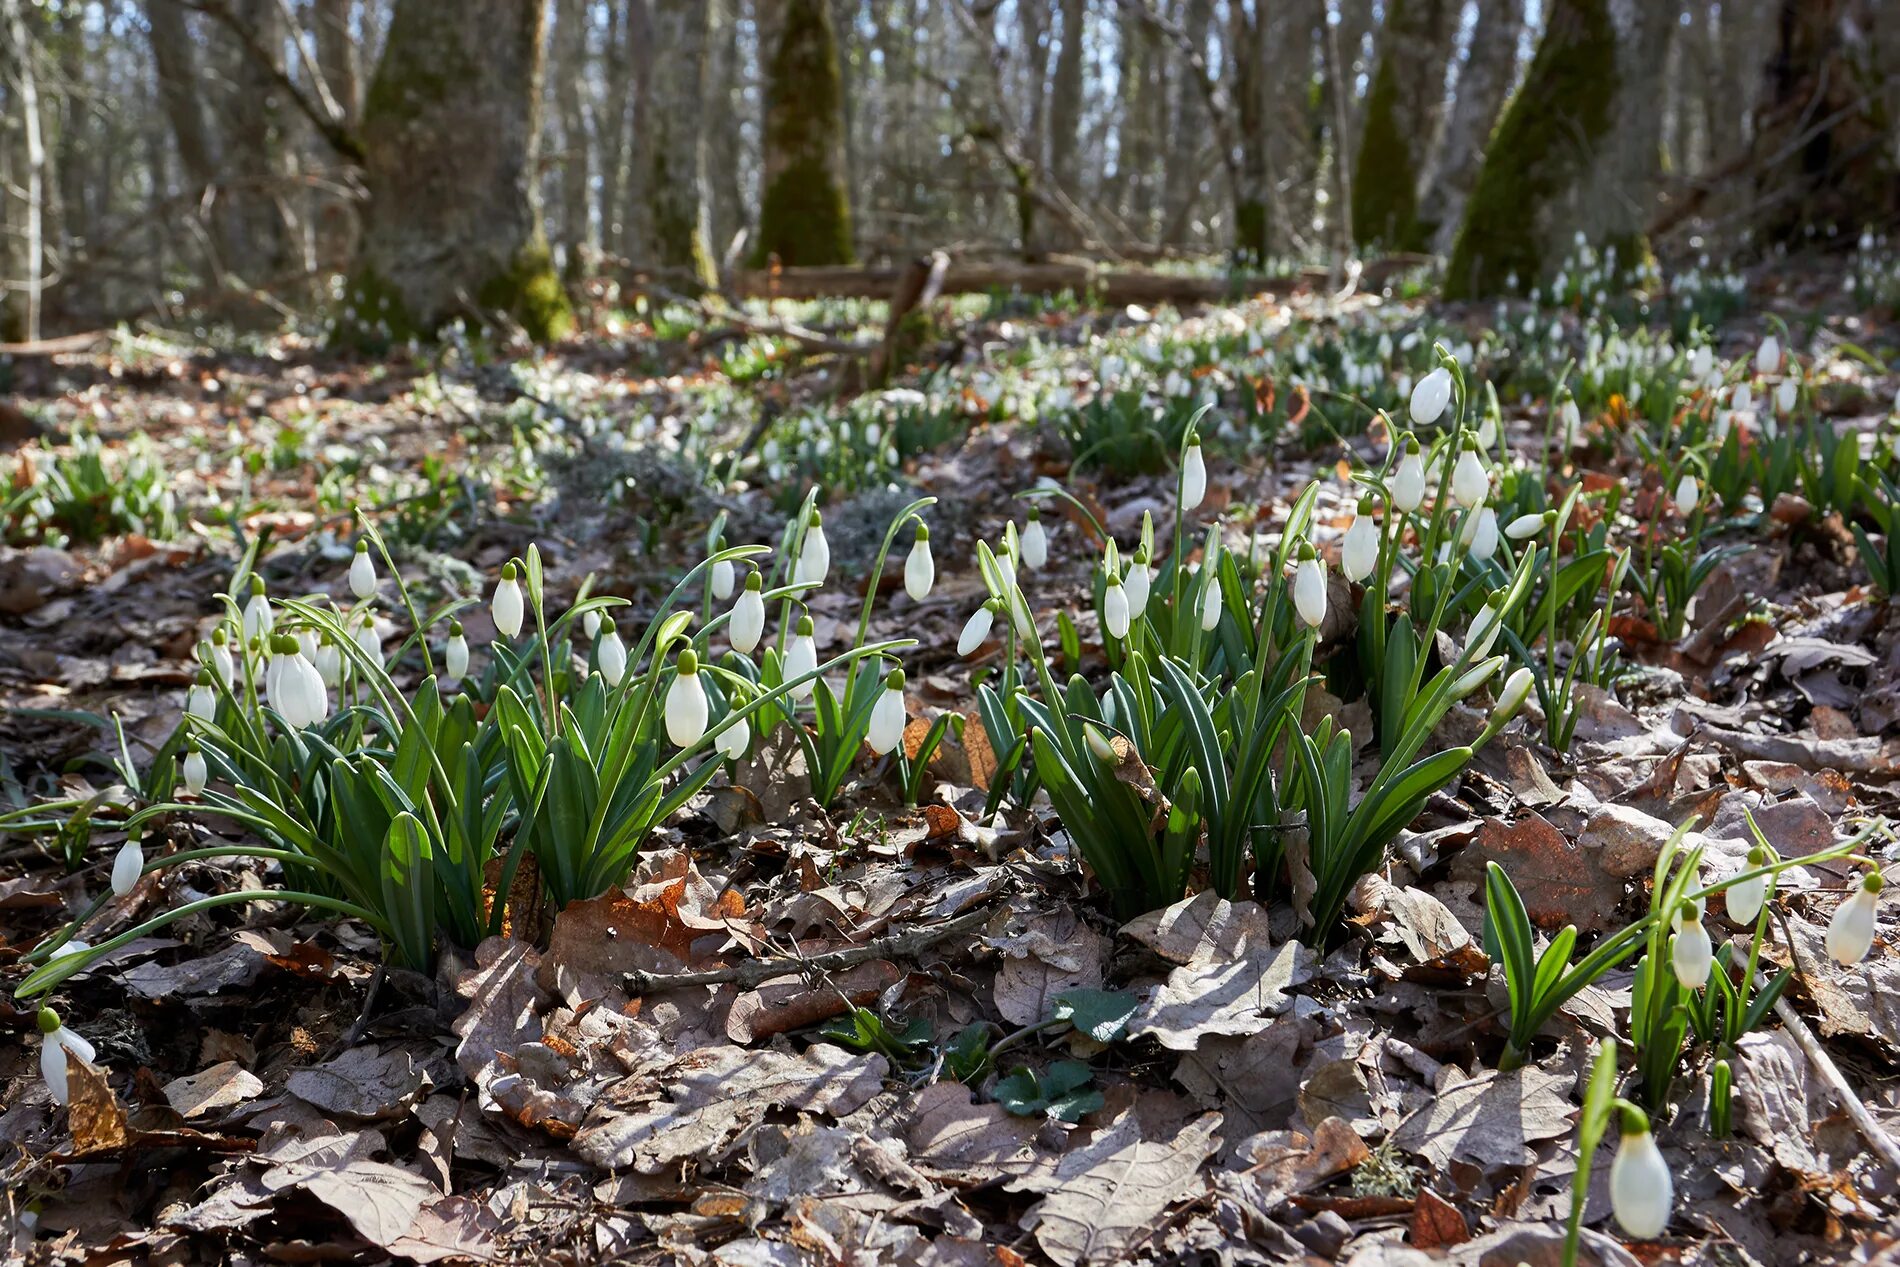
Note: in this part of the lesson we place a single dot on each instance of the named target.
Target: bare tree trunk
(334, 23)
(611, 111)
(1065, 106)
(1403, 114)
(636, 213)
(1253, 171)
(1187, 154)
(726, 112)
(1292, 151)
(570, 69)
(1489, 71)
(450, 134)
(24, 85)
(1576, 152)
(676, 192)
(804, 212)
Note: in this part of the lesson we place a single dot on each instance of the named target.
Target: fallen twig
(755, 972)
(1824, 1065)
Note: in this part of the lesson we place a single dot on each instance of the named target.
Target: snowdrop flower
(1035, 542)
(201, 701)
(747, 625)
(329, 661)
(1137, 581)
(55, 1041)
(735, 739)
(1210, 604)
(1741, 400)
(362, 572)
(590, 623)
(1786, 395)
(127, 866)
(1690, 952)
(1700, 362)
(611, 654)
(724, 578)
(1480, 534)
(506, 607)
(368, 641)
(1745, 899)
(1850, 934)
(887, 715)
(220, 658)
(1115, 608)
(1476, 676)
(1193, 476)
(1641, 1190)
(455, 655)
(1309, 587)
(297, 690)
(1408, 484)
(814, 557)
(1469, 483)
(258, 619)
(1517, 689)
(1524, 527)
(1687, 493)
(1431, 396)
(1487, 433)
(920, 570)
(1570, 423)
(976, 630)
(192, 769)
(1098, 742)
(1768, 355)
(1360, 553)
(685, 701)
(1485, 626)
(801, 657)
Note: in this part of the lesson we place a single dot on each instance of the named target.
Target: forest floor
(1222, 1091)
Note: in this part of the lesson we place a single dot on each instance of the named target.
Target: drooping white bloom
(611, 653)
(127, 865)
(192, 770)
(259, 620)
(368, 641)
(1431, 396)
(1641, 1190)
(222, 662)
(1115, 608)
(1690, 953)
(297, 691)
(1480, 534)
(1360, 553)
(455, 655)
(1517, 689)
(1193, 476)
(1524, 527)
(1768, 355)
(685, 702)
(1787, 394)
(724, 580)
(1741, 400)
(887, 715)
(1701, 361)
(1687, 493)
(1137, 580)
(920, 570)
(801, 658)
(1744, 899)
(976, 630)
(1035, 542)
(329, 661)
(507, 607)
(590, 623)
(201, 701)
(1408, 483)
(362, 572)
(1309, 588)
(1469, 483)
(1210, 604)
(814, 557)
(1850, 934)
(1569, 423)
(1484, 627)
(55, 1041)
(734, 740)
(747, 625)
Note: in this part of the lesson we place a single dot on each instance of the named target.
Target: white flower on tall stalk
(55, 1041)
(1408, 483)
(735, 739)
(1035, 542)
(1768, 355)
(201, 701)
(1690, 952)
(1309, 587)
(191, 768)
(1641, 1190)
(1487, 432)
(1193, 476)
(1360, 553)
(1211, 603)
(1701, 361)
(1850, 934)
(1469, 483)
(1431, 396)
(1688, 493)
(814, 557)
(685, 702)
(1744, 899)
(590, 623)
(724, 578)
(1517, 689)
(1476, 676)
(887, 715)
(611, 653)
(1524, 527)
(297, 690)
(1719, 425)
(259, 620)
(507, 607)
(801, 657)
(127, 866)
(976, 630)
(329, 661)
(368, 640)
(1480, 534)
(1115, 608)
(1569, 423)
(920, 570)
(1485, 626)
(1741, 400)
(362, 572)
(1787, 394)
(221, 661)
(455, 655)
(1138, 580)
(747, 625)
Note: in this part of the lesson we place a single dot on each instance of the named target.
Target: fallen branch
(755, 972)
(64, 345)
(1870, 1129)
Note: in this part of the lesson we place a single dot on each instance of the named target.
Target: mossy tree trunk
(675, 184)
(452, 226)
(1403, 116)
(1576, 153)
(1483, 84)
(804, 210)
(570, 71)
(1249, 170)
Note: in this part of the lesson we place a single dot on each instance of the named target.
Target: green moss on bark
(1251, 227)
(1540, 153)
(1384, 181)
(531, 293)
(804, 214)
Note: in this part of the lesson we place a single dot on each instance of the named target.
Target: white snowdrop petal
(127, 866)
(685, 710)
(976, 630)
(1641, 1189)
